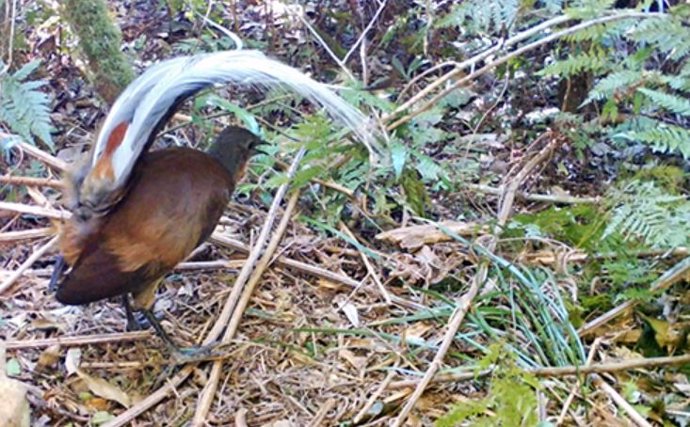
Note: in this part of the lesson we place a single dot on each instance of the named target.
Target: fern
(643, 211)
(511, 401)
(666, 34)
(479, 16)
(663, 138)
(575, 65)
(673, 103)
(23, 108)
(614, 82)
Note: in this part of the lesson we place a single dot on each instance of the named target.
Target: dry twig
(207, 395)
(26, 264)
(30, 181)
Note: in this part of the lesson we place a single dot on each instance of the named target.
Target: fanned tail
(152, 98)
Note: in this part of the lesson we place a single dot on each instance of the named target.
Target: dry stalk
(33, 210)
(26, 264)
(79, 340)
(30, 181)
(362, 36)
(573, 391)
(311, 270)
(208, 393)
(370, 268)
(562, 371)
(374, 396)
(321, 415)
(477, 281)
(547, 198)
(620, 401)
(36, 233)
(41, 155)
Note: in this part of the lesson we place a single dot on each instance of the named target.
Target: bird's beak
(261, 146)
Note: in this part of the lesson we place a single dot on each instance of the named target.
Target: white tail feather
(146, 101)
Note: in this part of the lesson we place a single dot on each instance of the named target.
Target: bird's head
(233, 148)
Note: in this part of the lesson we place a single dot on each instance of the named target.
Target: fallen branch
(79, 340)
(497, 62)
(561, 371)
(13, 236)
(256, 269)
(416, 236)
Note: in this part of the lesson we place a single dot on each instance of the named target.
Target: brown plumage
(171, 204)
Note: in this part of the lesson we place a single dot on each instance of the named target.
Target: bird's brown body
(171, 205)
(136, 214)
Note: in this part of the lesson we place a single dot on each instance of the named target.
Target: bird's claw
(199, 354)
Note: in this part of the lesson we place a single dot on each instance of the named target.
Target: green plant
(647, 213)
(511, 399)
(24, 108)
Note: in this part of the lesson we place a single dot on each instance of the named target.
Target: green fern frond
(575, 65)
(673, 103)
(25, 109)
(679, 82)
(643, 211)
(478, 16)
(663, 138)
(589, 9)
(608, 86)
(666, 34)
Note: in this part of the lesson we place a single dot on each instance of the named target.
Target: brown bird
(153, 227)
(136, 214)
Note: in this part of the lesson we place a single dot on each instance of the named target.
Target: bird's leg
(58, 269)
(143, 303)
(135, 321)
(183, 354)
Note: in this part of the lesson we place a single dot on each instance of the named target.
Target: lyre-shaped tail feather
(152, 97)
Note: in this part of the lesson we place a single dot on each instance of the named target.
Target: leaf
(102, 417)
(398, 156)
(415, 192)
(13, 368)
(248, 118)
(351, 313)
(14, 410)
(104, 389)
(72, 360)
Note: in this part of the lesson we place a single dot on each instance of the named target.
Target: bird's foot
(204, 353)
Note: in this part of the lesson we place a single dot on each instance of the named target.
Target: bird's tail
(145, 105)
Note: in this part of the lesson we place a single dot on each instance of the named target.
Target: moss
(100, 41)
